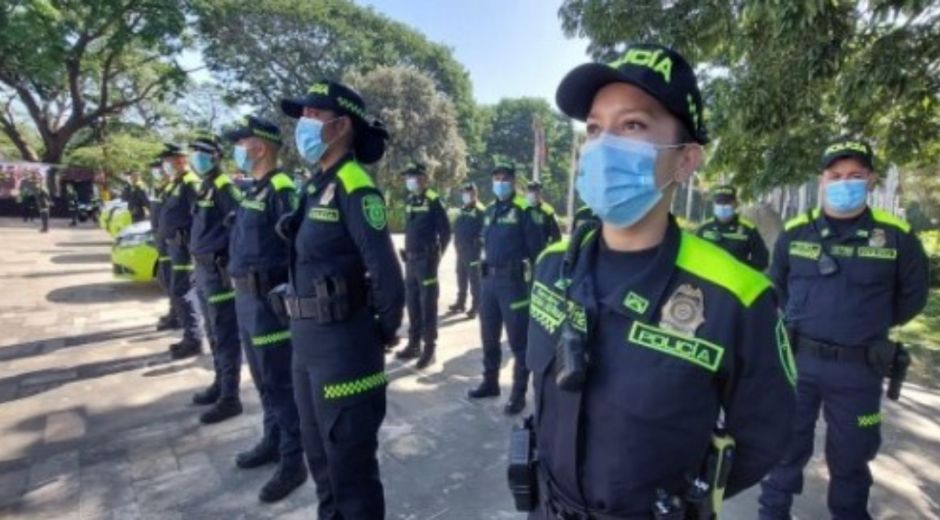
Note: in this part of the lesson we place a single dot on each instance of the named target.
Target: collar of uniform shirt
(847, 228)
(651, 284)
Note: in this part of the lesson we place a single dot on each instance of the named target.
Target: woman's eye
(633, 126)
(593, 129)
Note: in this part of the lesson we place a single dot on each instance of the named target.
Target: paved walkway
(95, 420)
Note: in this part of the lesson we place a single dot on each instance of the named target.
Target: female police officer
(345, 300)
(676, 331)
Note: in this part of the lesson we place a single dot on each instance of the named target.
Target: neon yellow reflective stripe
(801, 220)
(190, 178)
(256, 205)
(222, 297)
(547, 208)
(520, 202)
(557, 247)
(872, 419)
(747, 223)
(432, 195)
(205, 203)
(429, 281)
(163, 259)
(519, 304)
(480, 207)
(354, 387)
(183, 267)
(270, 339)
(281, 181)
(353, 177)
(886, 218)
(474, 264)
(708, 261)
(222, 181)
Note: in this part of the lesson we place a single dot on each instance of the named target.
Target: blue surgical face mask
(617, 179)
(169, 169)
(240, 155)
(466, 198)
(201, 162)
(412, 184)
(723, 211)
(502, 189)
(846, 196)
(308, 136)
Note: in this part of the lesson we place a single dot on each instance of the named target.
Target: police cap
(414, 170)
(206, 142)
(534, 186)
(171, 150)
(504, 168)
(370, 137)
(847, 147)
(659, 71)
(253, 126)
(724, 194)
(469, 187)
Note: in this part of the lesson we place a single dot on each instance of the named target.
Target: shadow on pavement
(52, 274)
(84, 258)
(84, 244)
(34, 348)
(106, 292)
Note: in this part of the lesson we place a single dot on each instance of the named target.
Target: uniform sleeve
(366, 220)
(913, 277)
(760, 399)
(780, 268)
(553, 229)
(442, 225)
(759, 254)
(285, 201)
(534, 236)
(228, 199)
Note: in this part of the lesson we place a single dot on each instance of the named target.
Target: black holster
(890, 360)
(277, 298)
(334, 300)
(523, 480)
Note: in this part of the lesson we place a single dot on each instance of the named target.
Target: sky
(511, 48)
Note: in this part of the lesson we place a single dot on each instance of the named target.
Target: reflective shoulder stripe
(222, 181)
(884, 217)
(282, 181)
(562, 245)
(708, 221)
(432, 195)
(191, 178)
(353, 177)
(747, 223)
(521, 202)
(547, 208)
(708, 261)
(480, 206)
(800, 220)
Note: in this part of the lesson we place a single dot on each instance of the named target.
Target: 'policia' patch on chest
(810, 250)
(512, 217)
(323, 214)
(694, 350)
(549, 309)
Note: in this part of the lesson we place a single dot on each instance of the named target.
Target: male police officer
(733, 233)
(258, 262)
(512, 240)
(176, 217)
(43, 202)
(543, 211)
(135, 195)
(468, 241)
(209, 240)
(345, 299)
(641, 335)
(845, 274)
(427, 233)
(164, 267)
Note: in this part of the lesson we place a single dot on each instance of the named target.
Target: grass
(922, 336)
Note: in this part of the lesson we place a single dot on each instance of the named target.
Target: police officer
(584, 215)
(512, 239)
(845, 274)
(27, 197)
(135, 195)
(468, 241)
(43, 202)
(345, 299)
(161, 180)
(544, 212)
(732, 232)
(258, 262)
(71, 199)
(427, 233)
(215, 211)
(176, 217)
(660, 332)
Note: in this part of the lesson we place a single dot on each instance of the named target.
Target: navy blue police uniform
(345, 301)
(164, 265)
(512, 240)
(843, 284)
(544, 214)
(135, 196)
(468, 241)
(176, 216)
(427, 234)
(738, 236)
(583, 215)
(218, 199)
(258, 262)
(689, 333)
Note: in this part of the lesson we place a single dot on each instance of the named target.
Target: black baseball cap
(207, 143)
(171, 150)
(660, 71)
(253, 126)
(370, 136)
(724, 194)
(847, 147)
(415, 169)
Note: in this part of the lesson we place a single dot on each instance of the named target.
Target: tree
(121, 153)
(69, 65)
(422, 123)
(264, 51)
(510, 138)
(782, 78)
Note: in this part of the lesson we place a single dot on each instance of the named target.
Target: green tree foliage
(263, 51)
(422, 123)
(120, 153)
(783, 77)
(66, 65)
(509, 137)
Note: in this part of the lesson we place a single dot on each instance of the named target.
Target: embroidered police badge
(373, 207)
(684, 312)
(877, 238)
